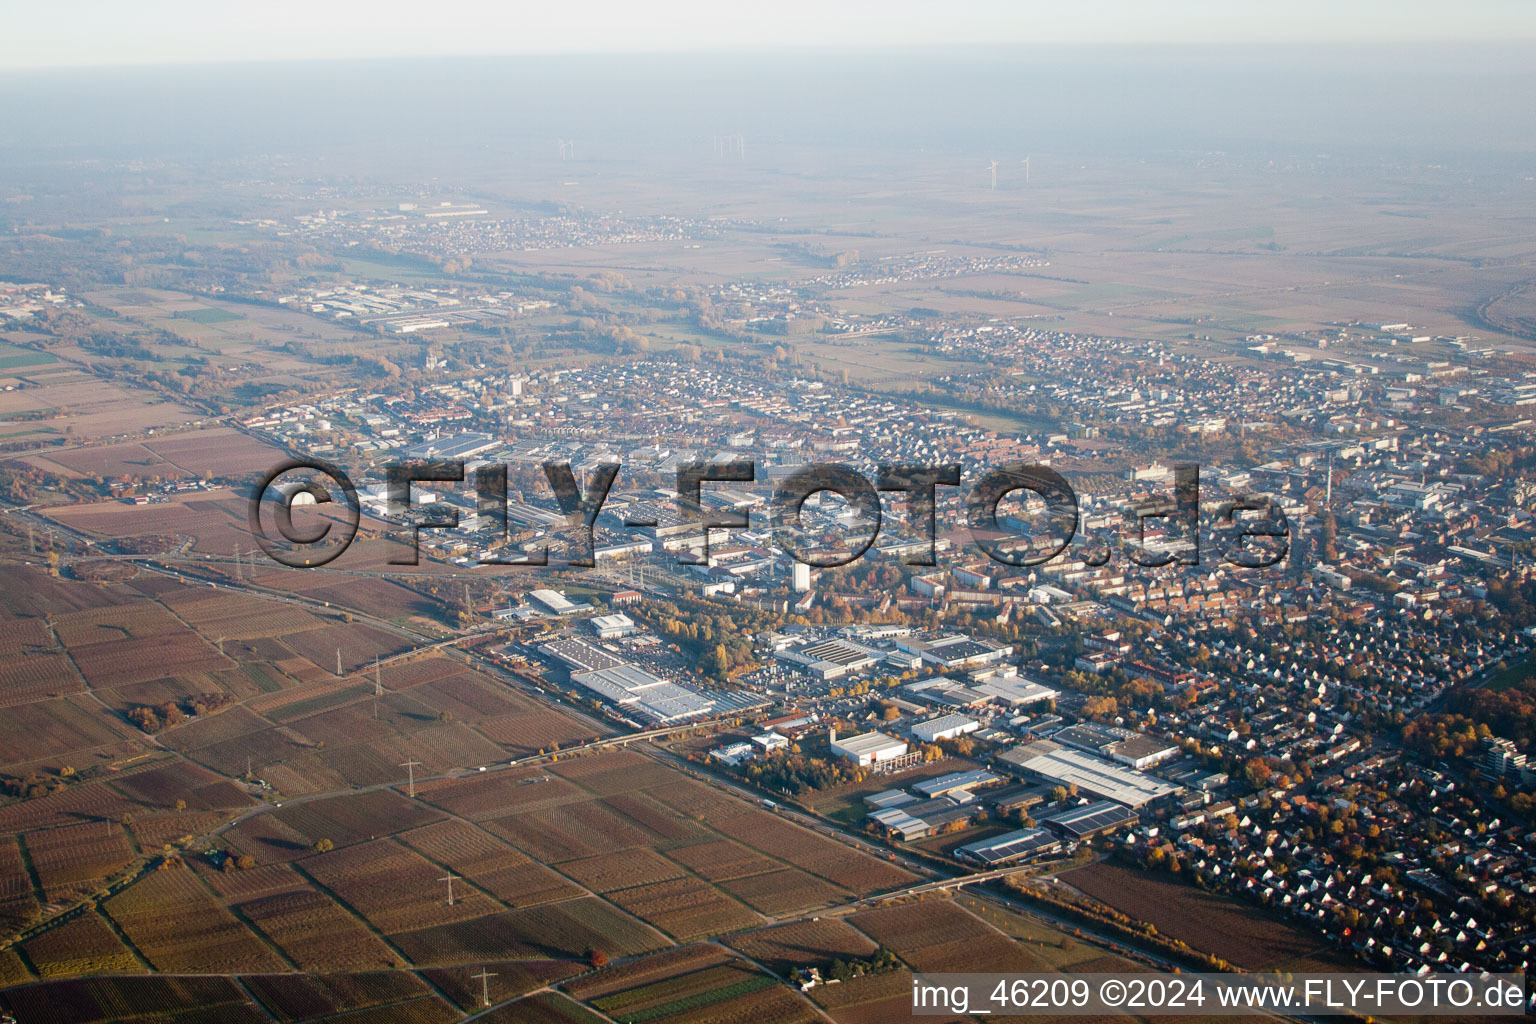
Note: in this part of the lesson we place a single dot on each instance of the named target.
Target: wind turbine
(1025, 162)
(993, 168)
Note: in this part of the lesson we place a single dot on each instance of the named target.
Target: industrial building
(459, 446)
(956, 651)
(1127, 746)
(611, 627)
(944, 727)
(1015, 690)
(1090, 820)
(868, 748)
(1012, 690)
(556, 603)
(646, 697)
(828, 659)
(580, 655)
(1010, 847)
(955, 784)
(1091, 774)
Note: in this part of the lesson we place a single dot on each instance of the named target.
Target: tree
(324, 846)
(181, 805)
(597, 958)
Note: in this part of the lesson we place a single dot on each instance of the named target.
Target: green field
(14, 356)
(207, 315)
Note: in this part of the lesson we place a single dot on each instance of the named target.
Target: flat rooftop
(1101, 777)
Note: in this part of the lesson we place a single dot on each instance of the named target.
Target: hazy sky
(74, 33)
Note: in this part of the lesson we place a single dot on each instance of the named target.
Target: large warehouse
(1096, 776)
(1090, 820)
(647, 697)
(1010, 847)
(869, 748)
(944, 727)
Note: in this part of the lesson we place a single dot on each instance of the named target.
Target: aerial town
(451, 592)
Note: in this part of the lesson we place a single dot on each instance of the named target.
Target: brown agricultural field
(181, 517)
(55, 728)
(18, 635)
(1246, 936)
(357, 817)
(239, 617)
(783, 892)
(316, 934)
(544, 1008)
(177, 924)
(614, 772)
(202, 790)
(623, 870)
(395, 888)
(494, 796)
(940, 935)
(775, 1005)
(720, 860)
(489, 863)
(470, 697)
(645, 970)
(685, 908)
(671, 826)
(402, 675)
(358, 645)
(129, 459)
(782, 948)
(68, 860)
(121, 662)
(297, 997)
(118, 622)
(559, 931)
(697, 801)
(512, 978)
(152, 831)
(696, 988)
(429, 1009)
(570, 831)
(112, 1000)
(33, 592)
(833, 861)
(85, 944)
(91, 801)
(37, 676)
(18, 900)
(221, 451)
